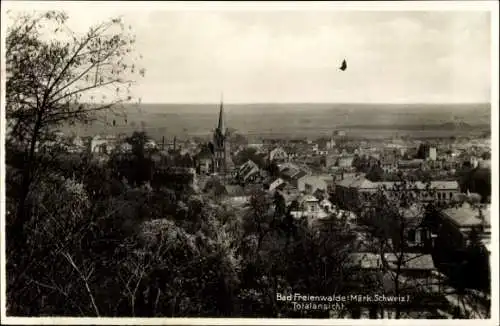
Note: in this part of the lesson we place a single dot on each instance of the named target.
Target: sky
(192, 55)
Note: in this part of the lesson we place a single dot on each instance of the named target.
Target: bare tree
(394, 216)
(53, 74)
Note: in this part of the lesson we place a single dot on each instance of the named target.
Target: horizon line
(329, 103)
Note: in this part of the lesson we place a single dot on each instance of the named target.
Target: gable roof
(363, 183)
(299, 174)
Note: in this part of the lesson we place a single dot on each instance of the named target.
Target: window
(411, 236)
(308, 187)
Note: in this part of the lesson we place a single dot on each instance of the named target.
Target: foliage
(375, 174)
(249, 153)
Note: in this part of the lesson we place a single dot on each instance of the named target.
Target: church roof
(221, 125)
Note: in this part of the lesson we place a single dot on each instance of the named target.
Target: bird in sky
(343, 67)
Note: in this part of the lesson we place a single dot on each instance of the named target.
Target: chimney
(162, 142)
(175, 143)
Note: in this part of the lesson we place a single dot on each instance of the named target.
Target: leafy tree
(250, 153)
(375, 174)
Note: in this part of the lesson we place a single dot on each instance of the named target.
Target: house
(416, 270)
(125, 147)
(456, 224)
(309, 206)
(150, 144)
(388, 164)
(414, 164)
(275, 184)
(345, 161)
(309, 184)
(352, 193)
(76, 145)
(462, 245)
(204, 160)
(278, 155)
(248, 172)
(293, 177)
(432, 155)
(103, 145)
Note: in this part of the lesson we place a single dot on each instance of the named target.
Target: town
(334, 179)
(347, 174)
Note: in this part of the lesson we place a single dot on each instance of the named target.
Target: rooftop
(467, 216)
(308, 198)
(411, 261)
(237, 191)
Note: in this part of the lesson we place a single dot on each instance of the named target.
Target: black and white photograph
(213, 162)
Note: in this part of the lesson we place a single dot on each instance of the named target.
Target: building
(462, 245)
(278, 155)
(204, 160)
(353, 192)
(309, 184)
(415, 271)
(248, 172)
(432, 156)
(389, 164)
(221, 145)
(456, 224)
(309, 206)
(276, 183)
(103, 145)
(345, 162)
(415, 164)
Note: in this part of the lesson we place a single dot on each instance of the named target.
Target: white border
(491, 6)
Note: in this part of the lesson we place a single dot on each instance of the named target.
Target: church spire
(221, 125)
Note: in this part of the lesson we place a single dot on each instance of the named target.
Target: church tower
(221, 143)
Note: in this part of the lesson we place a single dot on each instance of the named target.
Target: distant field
(301, 120)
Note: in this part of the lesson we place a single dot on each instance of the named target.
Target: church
(216, 156)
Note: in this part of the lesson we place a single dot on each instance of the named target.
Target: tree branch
(70, 260)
